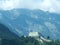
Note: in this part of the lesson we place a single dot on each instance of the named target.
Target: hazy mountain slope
(22, 21)
(5, 33)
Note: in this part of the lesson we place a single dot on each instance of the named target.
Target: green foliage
(57, 42)
(21, 41)
(27, 41)
(53, 42)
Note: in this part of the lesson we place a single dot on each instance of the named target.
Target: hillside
(5, 33)
(22, 21)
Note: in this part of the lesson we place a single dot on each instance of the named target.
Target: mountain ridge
(22, 21)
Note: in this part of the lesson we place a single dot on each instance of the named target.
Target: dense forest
(27, 41)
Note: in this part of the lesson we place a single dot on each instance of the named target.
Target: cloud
(56, 5)
(46, 5)
(10, 4)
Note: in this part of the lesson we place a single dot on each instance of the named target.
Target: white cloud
(56, 5)
(46, 5)
(9, 4)
(6, 5)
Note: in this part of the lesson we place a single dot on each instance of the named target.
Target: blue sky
(46, 5)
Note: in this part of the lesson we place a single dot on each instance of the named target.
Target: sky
(45, 5)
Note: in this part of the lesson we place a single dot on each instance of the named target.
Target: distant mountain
(22, 21)
(5, 33)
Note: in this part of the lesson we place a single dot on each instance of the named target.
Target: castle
(38, 36)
